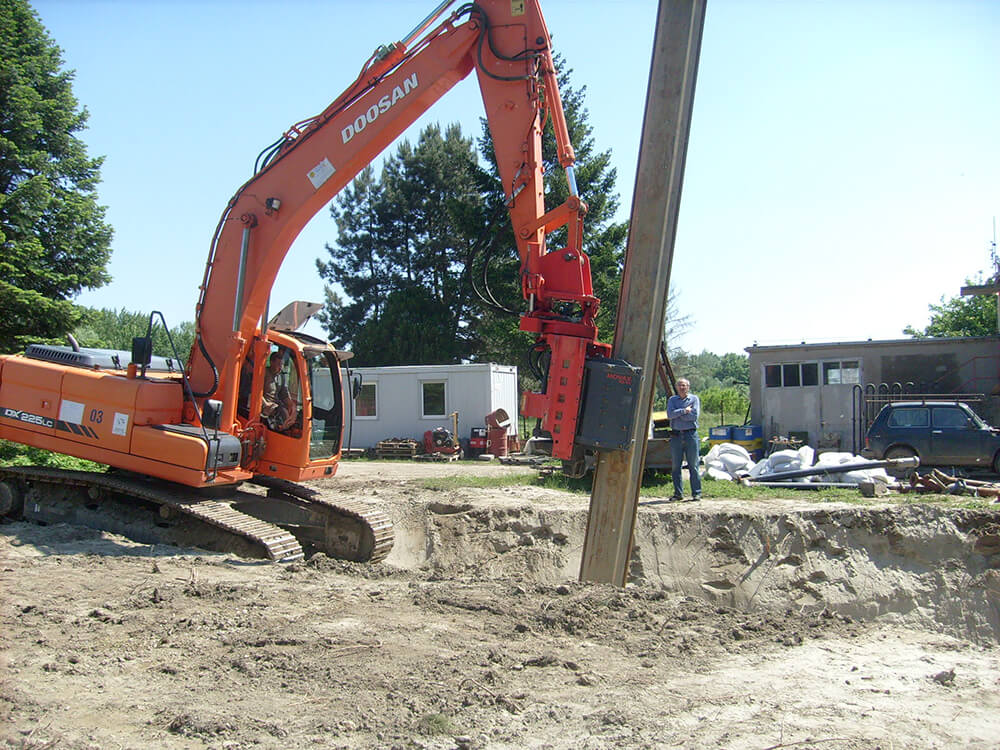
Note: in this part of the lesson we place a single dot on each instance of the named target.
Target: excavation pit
(743, 625)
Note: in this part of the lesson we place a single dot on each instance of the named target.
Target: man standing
(683, 410)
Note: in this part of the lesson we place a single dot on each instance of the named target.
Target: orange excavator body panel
(102, 416)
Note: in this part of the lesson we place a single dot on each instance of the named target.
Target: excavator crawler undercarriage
(287, 523)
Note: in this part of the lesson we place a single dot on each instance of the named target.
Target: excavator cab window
(245, 388)
(327, 404)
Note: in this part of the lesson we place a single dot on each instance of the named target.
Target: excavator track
(256, 538)
(344, 521)
(278, 527)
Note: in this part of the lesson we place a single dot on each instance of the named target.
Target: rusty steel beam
(642, 304)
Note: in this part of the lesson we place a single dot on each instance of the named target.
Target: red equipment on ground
(444, 441)
(440, 440)
(497, 423)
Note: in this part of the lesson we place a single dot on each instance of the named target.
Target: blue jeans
(685, 445)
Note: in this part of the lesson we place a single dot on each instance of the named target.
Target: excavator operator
(278, 408)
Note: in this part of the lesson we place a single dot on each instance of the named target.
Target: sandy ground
(792, 625)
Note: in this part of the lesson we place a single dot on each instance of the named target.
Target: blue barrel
(721, 434)
(748, 432)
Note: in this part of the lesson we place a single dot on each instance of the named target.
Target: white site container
(473, 390)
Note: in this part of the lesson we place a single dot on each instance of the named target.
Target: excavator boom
(509, 47)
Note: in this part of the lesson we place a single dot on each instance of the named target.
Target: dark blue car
(939, 433)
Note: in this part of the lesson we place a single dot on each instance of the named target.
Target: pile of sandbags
(732, 462)
(727, 461)
(782, 461)
(855, 476)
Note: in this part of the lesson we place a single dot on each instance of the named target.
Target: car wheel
(899, 451)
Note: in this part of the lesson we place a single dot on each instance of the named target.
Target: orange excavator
(220, 447)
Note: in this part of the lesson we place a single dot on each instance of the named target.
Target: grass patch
(435, 724)
(660, 485)
(15, 454)
(519, 479)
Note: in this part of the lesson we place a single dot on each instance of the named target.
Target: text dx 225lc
(220, 448)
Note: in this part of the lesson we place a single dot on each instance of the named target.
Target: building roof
(429, 369)
(869, 343)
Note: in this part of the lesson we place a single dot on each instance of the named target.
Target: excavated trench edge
(923, 566)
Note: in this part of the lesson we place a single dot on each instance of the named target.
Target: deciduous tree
(960, 316)
(721, 401)
(115, 329)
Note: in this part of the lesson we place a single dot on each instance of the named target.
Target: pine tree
(54, 241)
(400, 256)
(415, 246)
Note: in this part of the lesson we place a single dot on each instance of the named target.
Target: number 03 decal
(97, 415)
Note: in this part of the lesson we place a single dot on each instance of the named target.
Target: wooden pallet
(438, 457)
(396, 448)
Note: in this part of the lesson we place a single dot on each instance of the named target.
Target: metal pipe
(896, 463)
(857, 404)
(241, 278)
(571, 180)
(807, 485)
(422, 26)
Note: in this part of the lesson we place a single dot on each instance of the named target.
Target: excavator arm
(509, 47)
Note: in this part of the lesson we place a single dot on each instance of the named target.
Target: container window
(433, 399)
(847, 372)
(831, 373)
(366, 405)
(810, 373)
(790, 375)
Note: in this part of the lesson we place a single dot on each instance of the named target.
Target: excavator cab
(292, 406)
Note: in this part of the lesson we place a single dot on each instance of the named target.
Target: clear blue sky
(843, 169)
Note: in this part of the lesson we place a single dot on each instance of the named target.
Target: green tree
(699, 369)
(716, 400)
(54, 241)
(115, 329)
(400, 256)
(433, 229)
(733, 369)
(960, 316)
